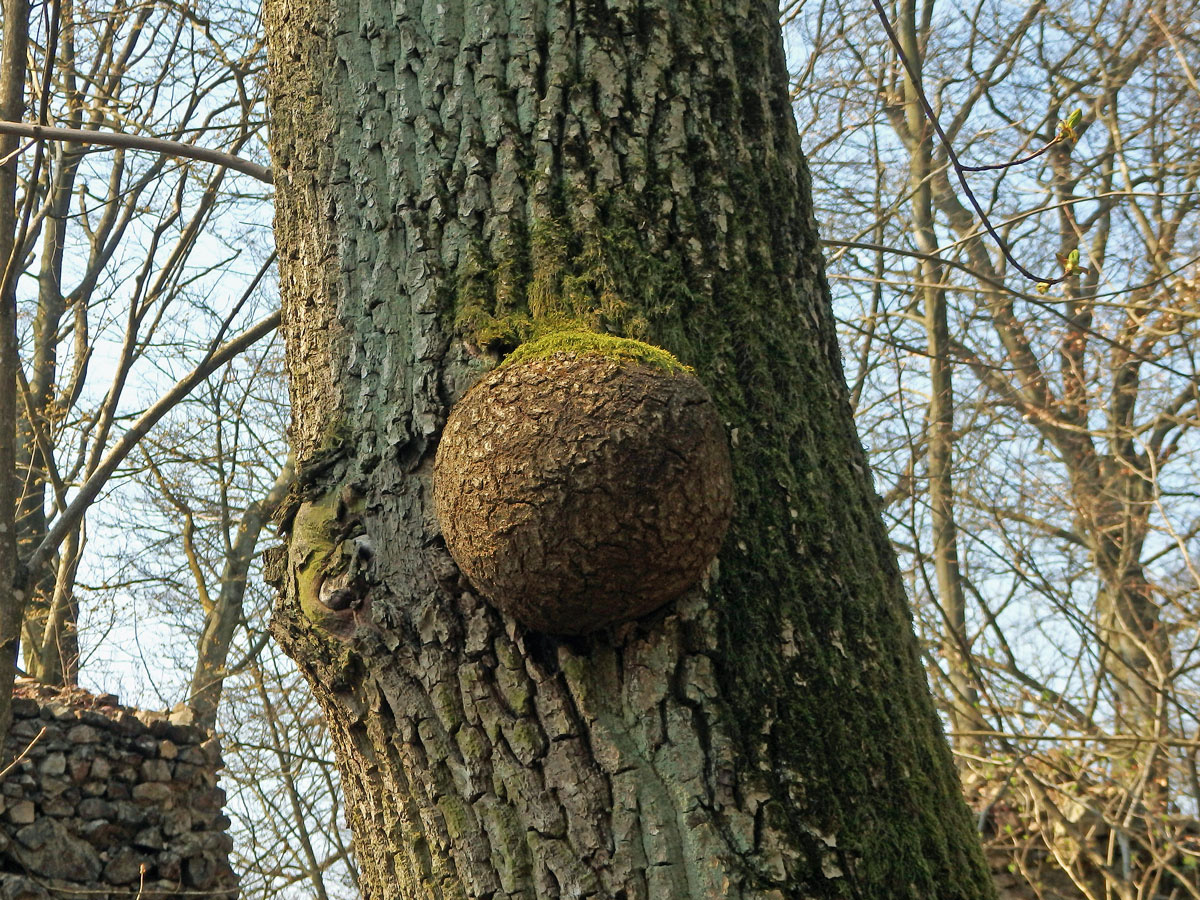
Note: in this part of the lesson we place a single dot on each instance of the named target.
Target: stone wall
(109, 802)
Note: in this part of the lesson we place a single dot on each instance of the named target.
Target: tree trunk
(14, 46)
(53, 645)
(447, 175)
(962, 695)
(227, 610)
(51, 615)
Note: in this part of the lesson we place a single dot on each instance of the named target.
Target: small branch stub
(586, 483)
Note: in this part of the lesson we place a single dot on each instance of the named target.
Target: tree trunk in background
(51, 644)
(445, 171)
(52, 651)
(917, 134)
(13, 48)
(227, 611)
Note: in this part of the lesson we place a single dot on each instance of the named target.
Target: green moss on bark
(312, 545)
(588, 343)
(594, 273)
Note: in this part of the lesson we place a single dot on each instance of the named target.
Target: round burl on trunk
(578, 490)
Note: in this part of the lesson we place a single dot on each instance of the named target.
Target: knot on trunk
(586, 482)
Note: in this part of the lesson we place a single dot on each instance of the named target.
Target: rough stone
(146, 746)
(176, 821)
(95, 808)
(102, 833)
(91, 717)
(61, 712)
(129, 813)
(54, 764)
(156, 770)
(49, 849)
(83, 734)
(100, 794)
(127, 723)
(152, 792)
(24, 708)
(126, 866)
(212, 752)
(170, 865)
(60, 807)
(210, 800)
(25, 729)
(149, 717)
(199, 872)
(22, 812)
(18, 887)
(151, 838)
(193, 756)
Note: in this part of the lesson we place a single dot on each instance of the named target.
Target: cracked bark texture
(577, 492)
(446, 172)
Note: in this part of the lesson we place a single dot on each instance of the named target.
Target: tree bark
(15, 43)
(448, 177)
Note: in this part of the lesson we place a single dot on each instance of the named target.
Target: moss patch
(594, 272)
(587, 343)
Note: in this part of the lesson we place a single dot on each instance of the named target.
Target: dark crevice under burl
(579, 490)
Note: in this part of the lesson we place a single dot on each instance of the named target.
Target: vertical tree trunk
(221, 621)
(448, 173)
(13, 47)
(51, 616)
(939, 433)
(54, 644)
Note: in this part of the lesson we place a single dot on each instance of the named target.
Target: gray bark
(448, 175)
(12, 595)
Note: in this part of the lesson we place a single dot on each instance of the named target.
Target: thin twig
(1080, 738)
(37, 737)
(949, 147)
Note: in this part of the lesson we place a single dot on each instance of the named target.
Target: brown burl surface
(576, 491)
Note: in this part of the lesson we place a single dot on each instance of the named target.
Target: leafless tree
(115, 266)
(142, 273)
(1063, 643)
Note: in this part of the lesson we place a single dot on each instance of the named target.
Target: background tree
(1056, 590)
(12, 601)
(103, 259)
(134, 266)
(1073, 437)
(446, 181)
(197, 514)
